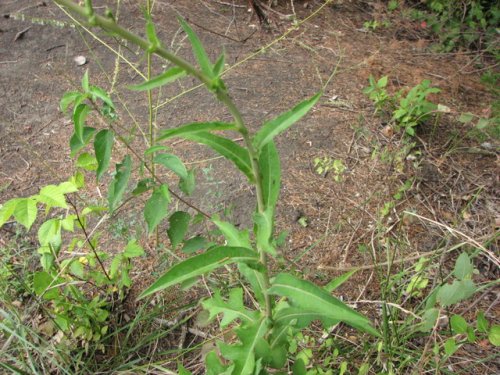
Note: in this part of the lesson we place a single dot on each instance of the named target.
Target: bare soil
(332, 225)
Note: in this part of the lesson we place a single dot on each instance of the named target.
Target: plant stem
(88, 239)
(152, 135)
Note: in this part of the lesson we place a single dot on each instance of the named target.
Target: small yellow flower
(83, 260)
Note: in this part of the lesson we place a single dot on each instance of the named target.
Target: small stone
(388, 131)
(80, 60)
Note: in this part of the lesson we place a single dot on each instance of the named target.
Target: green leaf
(52, 196)
(173, 163)
(233, 236)
(115, 265)
(213, 365)
(450, 346)
(458, 324)
(429, 320)
(25, 211)
(85, 81)
(42, 285)
(450, 294)
(201, 264)
(143, 186)
(119, 184)
(156, 208)
(494, 335)
(463, 267)
(68, 99)
(77, 269)
(182, 371)
(274, 356)
(338, 281)
(194, 244)
(272, 128)
(264, 226)
(79, 116)
(227, 148)
(232, 309)
(482, 323)
(198, 50)
(256, 280)
(133, 250)
(482, 123)
(98, 93)
(195, 127)
(311, 297)
(7, 210)
(219, 64)
(150, 31)
(299, 367)
(49, 233)
(302, 317)
(243, 355)
(178, 226)
(76, 144)
(103, 145)
(382, 82)
(155, 148)
(270, 169)
(87, 162)
(187, 185)
(168, 76)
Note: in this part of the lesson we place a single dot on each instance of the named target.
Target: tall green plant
(284, 304)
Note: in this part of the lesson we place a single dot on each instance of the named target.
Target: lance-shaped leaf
(168, 76)
(198, 50)
(201, 264)
(256, 280)
(338, 281)
(233, 236)
(79, 116)
(272, 128)
(195, 127)
(227, 148)
(302, 318)
(264, 225)
(178, 226)
(103, 144)
(119, 183)
(150, 30)
(173, 163)
(310, 297)
(243, 355)
(154, 149)
(156, 208)
(232, 309)
(219, 64)
(269, 164)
